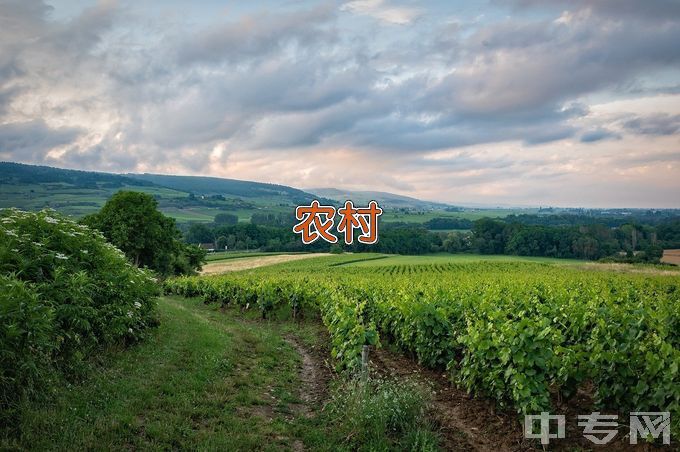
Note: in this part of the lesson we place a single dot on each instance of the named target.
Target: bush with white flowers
(65, 293)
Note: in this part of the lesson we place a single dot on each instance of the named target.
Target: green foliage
(26, 333)
(226, 218)
(132, 222)
(64, 293)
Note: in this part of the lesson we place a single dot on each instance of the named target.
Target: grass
(365, 410)
(205, 380)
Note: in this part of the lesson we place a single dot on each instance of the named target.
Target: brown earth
(474, 423)
(671, 257)
(630, 268)
(315, 374)
(245, 263)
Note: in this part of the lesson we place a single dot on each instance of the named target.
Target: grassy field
(206, 380)
(68, 199)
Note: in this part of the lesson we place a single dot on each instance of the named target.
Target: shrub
(64, 294)
(382, 415)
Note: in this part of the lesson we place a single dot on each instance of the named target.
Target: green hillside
(199, 199)
(186, 198)
(386, 200)
(229, 187)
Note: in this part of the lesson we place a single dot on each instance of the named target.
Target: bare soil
(630, 268)
(245, 263)
(315, 375)
(474, 423)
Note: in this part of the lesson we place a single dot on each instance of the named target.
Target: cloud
(379, 9)
(26, 141)
(590, 136)
(313, 94)
(517, 67)
(658, 124)
(666, 10)
(259, 36)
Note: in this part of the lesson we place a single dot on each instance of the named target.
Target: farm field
(392, 260)
(528, 336)
(226, 255)
(245, 263)
(264, 358)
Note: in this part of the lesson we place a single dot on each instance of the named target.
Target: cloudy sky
(521, 102)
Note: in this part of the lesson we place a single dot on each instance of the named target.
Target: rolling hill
(186, 198)
(386, 200)
(227, 187)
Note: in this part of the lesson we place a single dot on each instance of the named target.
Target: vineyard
(523, 334)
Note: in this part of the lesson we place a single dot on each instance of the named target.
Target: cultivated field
(245, 263)
(266, 355)
(529, 336)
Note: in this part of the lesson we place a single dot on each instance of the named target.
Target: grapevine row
(516, 332)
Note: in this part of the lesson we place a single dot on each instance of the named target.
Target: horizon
(507, 103)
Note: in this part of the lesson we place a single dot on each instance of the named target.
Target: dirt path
(315, 375)
(245, 263)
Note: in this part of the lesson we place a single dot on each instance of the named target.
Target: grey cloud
(630, 9)
(591, 136)
(258, 36)
(514, 67)
(648, 158)
(98, 156)
(27, 141)
(660, 124)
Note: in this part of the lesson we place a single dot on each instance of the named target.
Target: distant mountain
(387, 200)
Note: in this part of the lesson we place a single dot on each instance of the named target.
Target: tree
(200, 233)
(221, 242)
(226, 218)
(132, 222)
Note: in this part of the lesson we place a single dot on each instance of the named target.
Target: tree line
(630, 242)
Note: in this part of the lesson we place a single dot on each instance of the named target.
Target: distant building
(209, 247)
(671, 257)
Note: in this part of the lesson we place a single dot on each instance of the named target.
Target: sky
(498, 102)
